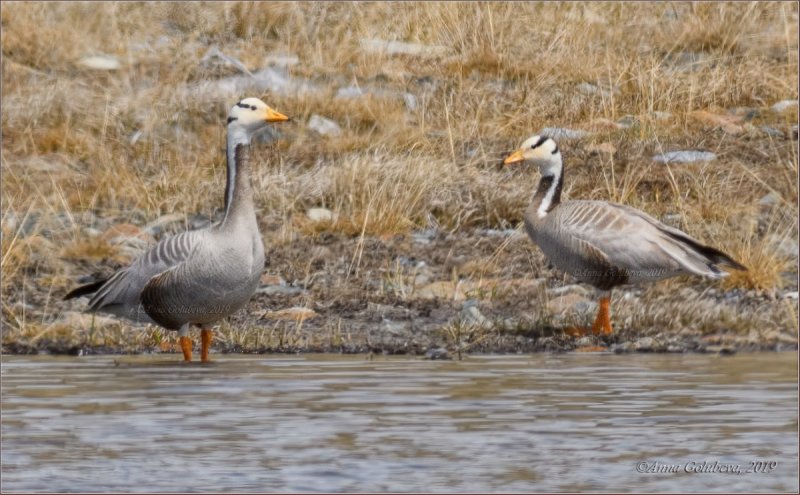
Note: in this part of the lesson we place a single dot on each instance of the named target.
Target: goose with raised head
(198, 277)
(606, 244)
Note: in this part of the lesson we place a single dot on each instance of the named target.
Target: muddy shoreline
(442, 295)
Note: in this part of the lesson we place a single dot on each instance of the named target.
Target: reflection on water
(343, 423)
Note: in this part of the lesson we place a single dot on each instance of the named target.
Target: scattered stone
(214, 58)
(721, 350)
(591, 89)
(320, 215)
(684, 157)
(268, 80)
(410, 101)
(558, 133)
(746, 114)
(585, 341)
(424, 236)
(403, 48)
(727, 123)
(770, 200)
(783, 105)
(291, 314)
(601, 149)
(324, 126)
(100, 62)
(281, 60)
(570, 289)
(772, 132)
(645, 344)
(791, 295)
(627, 122)
(687, 61)
(623, 347)
(662, 115)
(437, 353)
(280, 290)
(473, 316)
(602, 125)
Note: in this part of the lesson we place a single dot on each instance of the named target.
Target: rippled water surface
(345, 423)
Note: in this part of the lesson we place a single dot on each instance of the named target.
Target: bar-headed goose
(606, 244)
(201, 276)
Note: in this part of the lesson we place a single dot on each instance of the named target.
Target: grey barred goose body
(201, 276)
(606, 244)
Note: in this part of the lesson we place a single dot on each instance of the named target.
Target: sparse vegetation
(84, 150)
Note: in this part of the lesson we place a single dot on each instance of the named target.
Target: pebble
(75, 319)
(437, 353)
(770, 199)
(281, 60)
(320, 215)
(570, 303)
(627, 122)
(662, 115)
(372, 45)
(783, 105)
(772, 132)
(591, 89)
(684, 157)
(473, 316)
(214, 56)
(100, 62)
(441, 290)
(791, 295)
(324, 126)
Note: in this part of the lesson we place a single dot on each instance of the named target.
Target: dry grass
(84, 149)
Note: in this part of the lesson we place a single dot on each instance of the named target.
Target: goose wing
(635, 242)
(121, 294)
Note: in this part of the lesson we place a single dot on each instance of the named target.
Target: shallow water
(344, 423)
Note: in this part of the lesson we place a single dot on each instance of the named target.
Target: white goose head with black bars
(246, 117)
(543, 152)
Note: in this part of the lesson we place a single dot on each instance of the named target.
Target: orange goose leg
(602, 324)
(186, 347)
(205, 336)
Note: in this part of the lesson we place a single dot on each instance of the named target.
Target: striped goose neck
(548, 194)
(238, 194)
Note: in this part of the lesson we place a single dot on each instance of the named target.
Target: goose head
(541, 151)
(251, 114)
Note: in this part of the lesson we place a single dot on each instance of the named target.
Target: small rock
(562, 133)
(403, 48)
(721, 350)
(410, 101)
(100, 62)
(602, 148)
(320, 215)
(584, 342)
(745, 113)
(326, 127)
(772, 132)
(350, 92)
(473, 316)
(570, 289)
(662, 115)
(591, 89)
(684, 157)
(770, 199)
(602, 125)
(783, 105)
(437, 353)
(645, 344)
(791, 295)
(280, 290)
(622, 348)
(627, 122)
(215, 58)
(281, 60)
(424, 236)
(291, 314)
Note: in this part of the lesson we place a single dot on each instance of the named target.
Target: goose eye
(252, 107)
